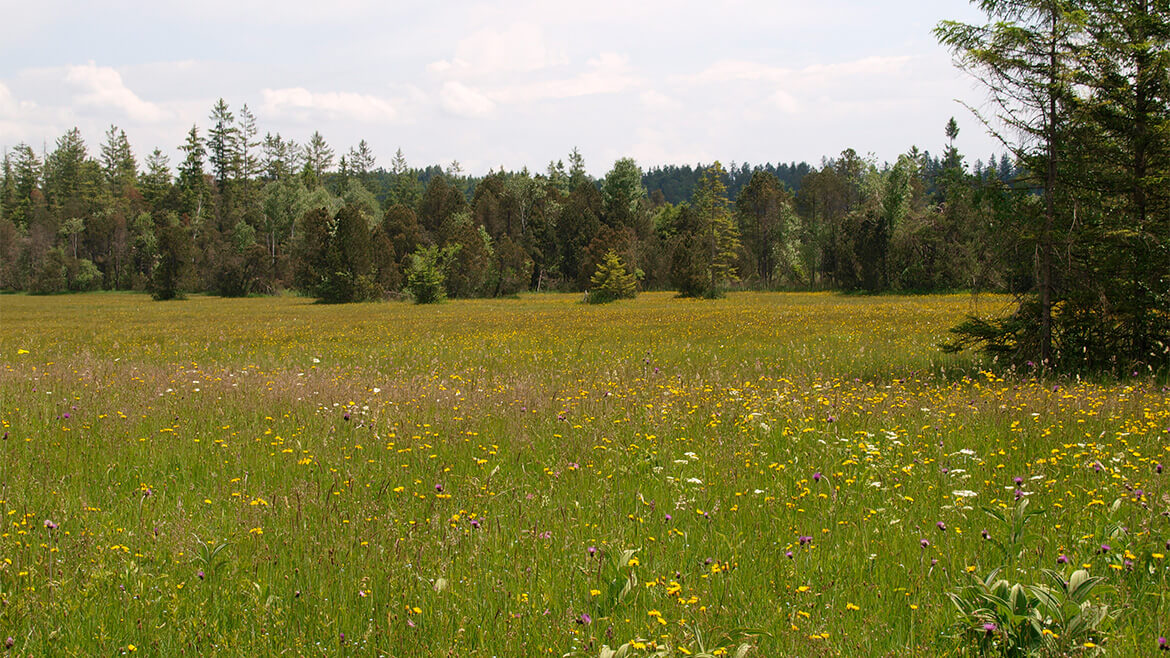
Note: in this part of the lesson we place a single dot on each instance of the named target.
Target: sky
(499, 84)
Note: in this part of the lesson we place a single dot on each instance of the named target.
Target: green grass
(389, 479)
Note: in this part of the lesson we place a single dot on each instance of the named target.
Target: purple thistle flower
(475, 523)
(1162, 644)
(1128, 565)
(1157, 469)
(986, 535)
(1018, 480)
(1105, 548)
(585, 618)
(942, 527)
(50, 525)
(924, 542)
(65, 415)
(200, 574)
(439, 488)
(669, 517)
(345, 417)
(1063, 559)
(8, 642)
(1019, 494)
(592, 550)
(817, 476)
(788, 554)
(989, 628)
(805, 540)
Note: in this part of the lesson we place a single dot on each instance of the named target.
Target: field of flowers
(767, 474)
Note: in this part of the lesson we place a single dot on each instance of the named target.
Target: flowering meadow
(765, 474)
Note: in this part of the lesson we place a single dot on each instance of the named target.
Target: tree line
(241, 214)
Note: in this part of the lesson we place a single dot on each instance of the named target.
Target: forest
(1073, 217)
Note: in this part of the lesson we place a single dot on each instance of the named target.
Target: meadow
(766, 474)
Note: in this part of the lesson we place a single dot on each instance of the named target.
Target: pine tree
(26, 178)
(191, 181)
(247, 146)
(1023, 57)
(361, 160)
(156, 180)
(318, 156)
(717, 232)
(223, 144)
(64, 171)
(612, 281)
(118, 162)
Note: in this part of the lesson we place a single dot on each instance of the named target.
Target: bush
(88, 277)
(426, 275)
(51, 274)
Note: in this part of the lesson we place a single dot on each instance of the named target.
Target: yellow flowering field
(766, 474)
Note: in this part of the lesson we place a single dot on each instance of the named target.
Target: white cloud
(102, 87)
(608, 73)
(461, 100)
(864, 66)
(520, 47)
(816, 74)
(656, 101)
(7, 102)
(345, 105)
(785, 101)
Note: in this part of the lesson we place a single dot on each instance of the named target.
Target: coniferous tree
(247, 158)
(223, 144)
(25, 177)
(1023, 57)
(156, 181)
(318, 156)
(280, 158)
(717, 234)
(117, 158)
(191, 182)
(612, 281)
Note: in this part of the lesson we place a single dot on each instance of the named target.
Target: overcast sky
(495, 84)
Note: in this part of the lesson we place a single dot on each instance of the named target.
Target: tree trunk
(1049, 204)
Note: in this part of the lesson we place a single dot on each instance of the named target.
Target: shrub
(426, 275)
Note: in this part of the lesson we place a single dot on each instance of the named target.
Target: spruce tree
(612, 281)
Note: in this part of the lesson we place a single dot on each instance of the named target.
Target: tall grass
(539, 476)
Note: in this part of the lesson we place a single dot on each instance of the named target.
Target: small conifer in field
(612, 281)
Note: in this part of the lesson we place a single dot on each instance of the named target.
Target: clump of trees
(1081, 91)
